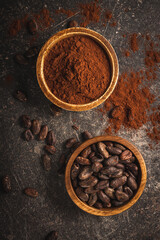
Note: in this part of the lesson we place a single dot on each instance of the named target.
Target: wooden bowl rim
(103, 42)
(113, 210)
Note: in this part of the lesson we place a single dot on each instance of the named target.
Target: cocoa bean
(51, 139)
(6, 184)
(52, 236)
(133, 168)
(36, 127)
(110, 144)
(90, 190)
(102, 184)
(98, 205)
(97, 158)
(127, 154)
(26, 121)
(86, 152)
(112, 172)
(86, 135)
(75, 170)
(120, 165)
(96, 167)
(110, 192)
(82, 195)
(92, 154)
(111, 161)
(20, 59)
(102, 149)
(120, 146)
(83, 161)
(90, 182)
(103, 197)
(50, 149)
(31, 192)
(75, 183)
(43, 132)
(46, 162)
(28, 135)
(21, 96)
(117, 203)
(115, 183)
(85, 173)
(114, 150)
(70, 142)
(121, 196)
(103, 176)
(128, 191)
(132, 183)
(92, 199)
(107, 205)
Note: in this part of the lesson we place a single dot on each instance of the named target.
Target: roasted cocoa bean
(52, 236)
(92, 199)
(85, 173)
(111, 161)
(36, 127)
(86, 135)
(26, 121)
(21, 96)
(102, 149)
(31, 52)
(83, 161)
(127, 154)
(110, 192)
(51, 139)
(31, 192)
(103, 176)
(114, 150)
(132, 183)
(128, 191)
(46, 162)
(103, 197)
(120, 165)
(43, 132)
(28, 135)
(6, 184)
(96, 166)
(20, 59)
(90, 190)
(117, 203)
(119, 146)
(32, 26)
(121, 196)
(70, 142)
(82, 195)
(107, 205)
(98, 205)
(112, 172)
(90, 182)
(97, 158)
(109, 144)
(86, 152)
(133, 168)
(115, 183)
(75, 170)
(50, 149)
(102, 184)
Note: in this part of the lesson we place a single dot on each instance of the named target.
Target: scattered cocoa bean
(50, 149)
(31, 192)
(86, 135)
(28, 135)
(52, 236)
(43, 132)
(31, 52)
(21, 96)
(51, 139)
(46, 162)
(20, 59)
(36, 127)
(6, 184)
(26, 121)
(70, 142)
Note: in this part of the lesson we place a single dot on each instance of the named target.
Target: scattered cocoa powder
(134, 42)
(127, 53)
(67, 12)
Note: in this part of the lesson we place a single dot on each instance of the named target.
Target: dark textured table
(24, 218)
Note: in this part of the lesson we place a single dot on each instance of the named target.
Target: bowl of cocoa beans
(105, 175)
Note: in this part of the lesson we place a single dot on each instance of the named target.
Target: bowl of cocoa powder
(105, 175)
(77, 69)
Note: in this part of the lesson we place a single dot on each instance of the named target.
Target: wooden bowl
(69, 33)
(142, 177)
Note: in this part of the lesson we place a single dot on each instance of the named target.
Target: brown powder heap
(91, 13)
(77, 70)
(134, 42)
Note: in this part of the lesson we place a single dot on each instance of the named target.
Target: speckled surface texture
(24, 218)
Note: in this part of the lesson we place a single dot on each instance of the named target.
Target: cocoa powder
(77, 70)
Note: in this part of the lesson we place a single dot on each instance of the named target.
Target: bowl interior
(142, 176)
(66, 34)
